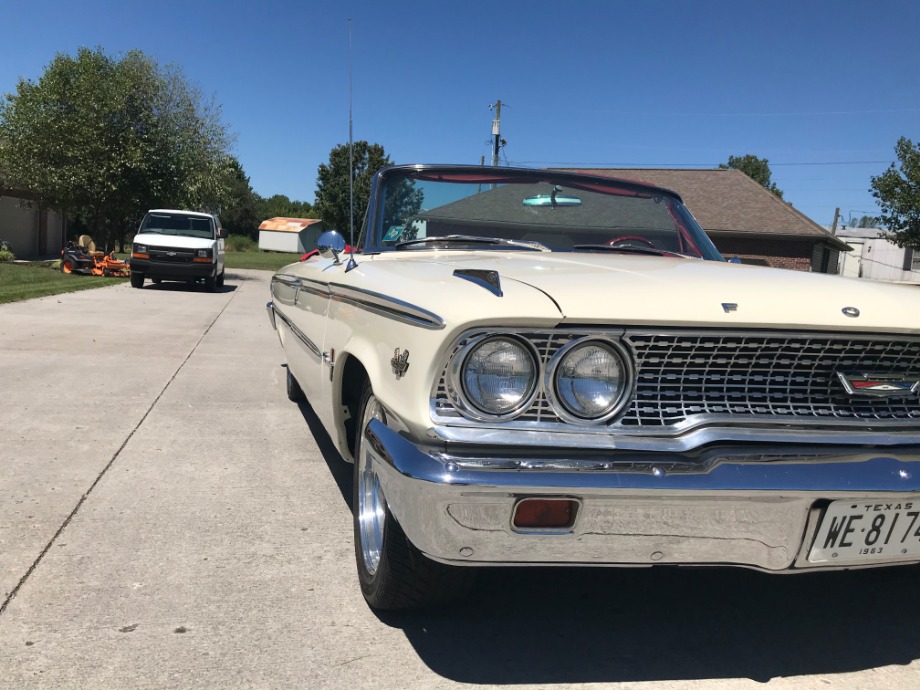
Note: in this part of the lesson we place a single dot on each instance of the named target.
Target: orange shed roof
(288, 224)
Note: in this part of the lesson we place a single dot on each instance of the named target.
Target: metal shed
(289, 234)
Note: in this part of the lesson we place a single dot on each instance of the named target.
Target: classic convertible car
(529, 367)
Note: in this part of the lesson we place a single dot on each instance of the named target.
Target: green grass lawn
(266, 261)
(25, 281)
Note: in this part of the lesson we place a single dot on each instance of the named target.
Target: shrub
(240, 243)
(7, 255)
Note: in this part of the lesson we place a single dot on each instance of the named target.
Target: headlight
(588, 380)
(497, 376)
(140, 248)
(204, 253)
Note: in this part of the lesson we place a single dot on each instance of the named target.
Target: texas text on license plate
(865, 531)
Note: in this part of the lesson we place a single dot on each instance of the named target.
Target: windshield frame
(370, 240)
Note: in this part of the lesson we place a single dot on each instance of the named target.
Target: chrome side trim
(310, 345)
(388, 307)
(271, 314)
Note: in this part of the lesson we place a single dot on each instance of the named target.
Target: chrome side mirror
(330, 244)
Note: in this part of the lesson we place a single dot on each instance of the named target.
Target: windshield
(182, 224)
(508, 209)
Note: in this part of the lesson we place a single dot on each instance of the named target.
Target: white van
(178, 245)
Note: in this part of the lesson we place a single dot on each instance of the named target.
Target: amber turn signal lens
(545, 513)
(138, 255)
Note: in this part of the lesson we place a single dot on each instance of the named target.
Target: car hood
(640, 289)
(177, 241)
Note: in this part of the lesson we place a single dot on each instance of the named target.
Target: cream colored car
(530, 367)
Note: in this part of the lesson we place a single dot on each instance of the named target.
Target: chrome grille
(679, 376)
(175, 255)
(684, 377)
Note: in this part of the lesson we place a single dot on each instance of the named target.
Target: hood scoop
(483, 278)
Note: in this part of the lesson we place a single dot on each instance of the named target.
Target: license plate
(860, 531)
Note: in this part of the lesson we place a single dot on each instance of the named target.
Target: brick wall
(789, 254)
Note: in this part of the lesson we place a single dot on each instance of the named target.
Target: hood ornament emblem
(852, 312)
(869, 385)
(728, 307)
(400, 362)
(489, 280)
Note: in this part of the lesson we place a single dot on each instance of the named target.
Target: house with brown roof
(743, 219)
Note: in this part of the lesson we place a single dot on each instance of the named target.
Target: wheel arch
(350, 386)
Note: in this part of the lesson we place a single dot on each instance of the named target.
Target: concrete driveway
(168, 519)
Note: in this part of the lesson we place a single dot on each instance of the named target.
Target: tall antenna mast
(351, 154)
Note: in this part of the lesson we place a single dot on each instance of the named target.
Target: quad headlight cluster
(498, 377)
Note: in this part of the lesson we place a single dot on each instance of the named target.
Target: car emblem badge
(729, 307)
(170, 253)
(400, 362)
(852, 312)
(879, 385)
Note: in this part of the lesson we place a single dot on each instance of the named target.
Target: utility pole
(497, 140)
(836, 218)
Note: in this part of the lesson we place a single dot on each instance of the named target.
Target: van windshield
(178, 224)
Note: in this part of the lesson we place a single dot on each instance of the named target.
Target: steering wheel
(630, 238)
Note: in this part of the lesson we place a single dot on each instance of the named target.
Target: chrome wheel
(371, 503)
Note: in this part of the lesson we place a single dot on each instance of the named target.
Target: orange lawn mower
(81, 257)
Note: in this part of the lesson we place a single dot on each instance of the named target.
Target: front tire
(137, 280)
(394, 575)
(220, 280)
(210, 284)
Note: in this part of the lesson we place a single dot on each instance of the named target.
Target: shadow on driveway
(594, 625)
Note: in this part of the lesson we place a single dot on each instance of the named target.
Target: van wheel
(220, 280)
(210, 284)
(137, 280)
(394, 574)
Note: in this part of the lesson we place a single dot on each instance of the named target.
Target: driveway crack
(51, 542)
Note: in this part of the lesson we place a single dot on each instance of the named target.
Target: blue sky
(821, 89)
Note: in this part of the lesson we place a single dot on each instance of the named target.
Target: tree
(758, 169)
(280, 206)
(332, 184)
(107, 138)
(239, 215)
(898, 193)
(864, 222)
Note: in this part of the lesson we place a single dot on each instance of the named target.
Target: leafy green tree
(280, 206)
(332, 184)
(238, 214)
(898, 193)
(864, 222)
(106, 138)
(758, 169)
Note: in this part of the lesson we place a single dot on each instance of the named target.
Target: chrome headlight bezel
(457, 367)
(623, 395)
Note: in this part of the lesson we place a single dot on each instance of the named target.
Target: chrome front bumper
(735, 508)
